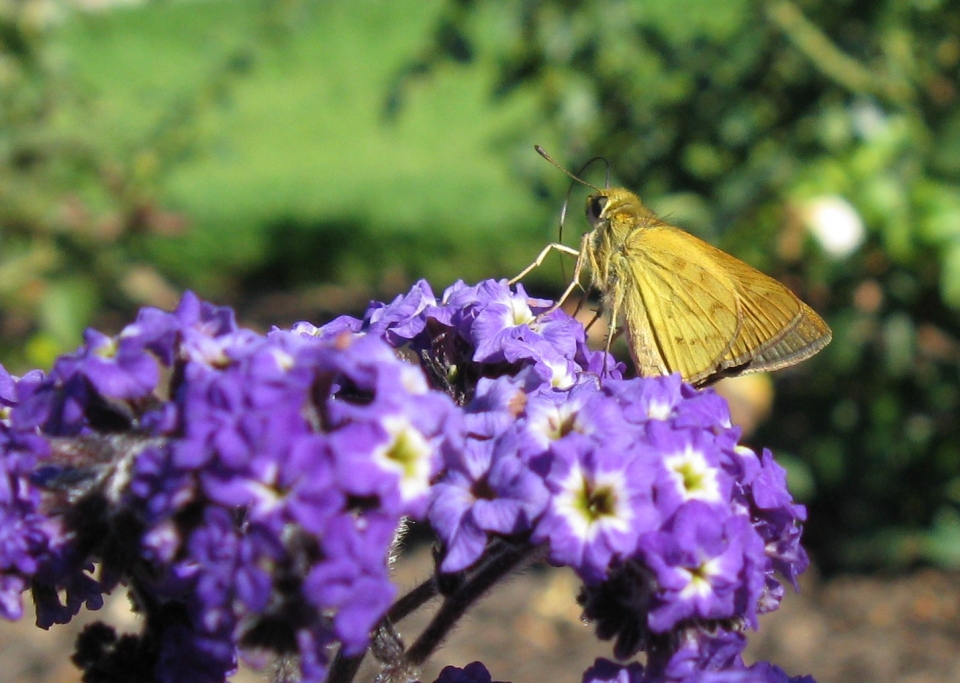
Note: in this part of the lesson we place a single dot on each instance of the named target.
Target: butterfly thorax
(615, 214)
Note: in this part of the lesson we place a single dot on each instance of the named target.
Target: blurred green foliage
(79, 202)
(298, 158)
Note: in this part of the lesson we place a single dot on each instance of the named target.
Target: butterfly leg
(612, 331)
(577, 269)
(555, 246)
(596, 314)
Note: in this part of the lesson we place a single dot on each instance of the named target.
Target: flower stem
(502, 559)
(412, 601)
(343, 669)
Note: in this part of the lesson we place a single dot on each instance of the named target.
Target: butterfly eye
(595, 207)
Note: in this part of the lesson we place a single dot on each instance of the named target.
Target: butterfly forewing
(778, 329)
(769, 311)
(807, 337)
(709, 314)
(687, 313)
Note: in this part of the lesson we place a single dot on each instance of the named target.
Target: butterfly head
(615, 203)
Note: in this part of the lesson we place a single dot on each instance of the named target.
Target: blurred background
(296, 159)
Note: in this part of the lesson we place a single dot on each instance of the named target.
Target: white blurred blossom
(869, 120)
(835, 224)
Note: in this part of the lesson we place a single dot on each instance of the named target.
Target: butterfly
(685, 305)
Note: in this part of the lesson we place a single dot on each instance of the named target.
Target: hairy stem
(503, 558)
(412, 601)
(344, 669)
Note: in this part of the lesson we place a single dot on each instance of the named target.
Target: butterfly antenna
(542, 152)
(576, 177)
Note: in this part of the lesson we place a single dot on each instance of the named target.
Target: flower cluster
(251, 499)
(638, 485)
(483, 331)
(248, 488)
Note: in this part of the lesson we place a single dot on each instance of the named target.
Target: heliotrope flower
(585, 409)
(602, 501)
(401, 320)
(483, 330)
(276, 475)
(691, 467)
(26, 535)
(655, 399)
(486, 490)
(700, 561)
(352, 578)
(694, 650)
(249, 487)
(778, 519)
(605, 671)
(475, 672)
(8, 392)
(117, 368)
(506, 325)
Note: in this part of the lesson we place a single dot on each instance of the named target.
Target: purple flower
(118, 368)
(343, 324)
(401, 320)
(251, 491)
(306, 485)
(497, 404)
(485, 330)
(203, 317)
(56, 404)
(703, 408)
(352, 577)
(584, 410)
(158, 331)
(759, 672)
(605, 671)
(655, 398)
(694, 650)
(701, 562)
(388, 458)
(26, 535)
(555, 369)
(602, 501)
(475, 672)
(160, 488)
(8, 392)
(12, 388)
(485, 490)
(691, 468)
(778, 519)
(507, 327)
